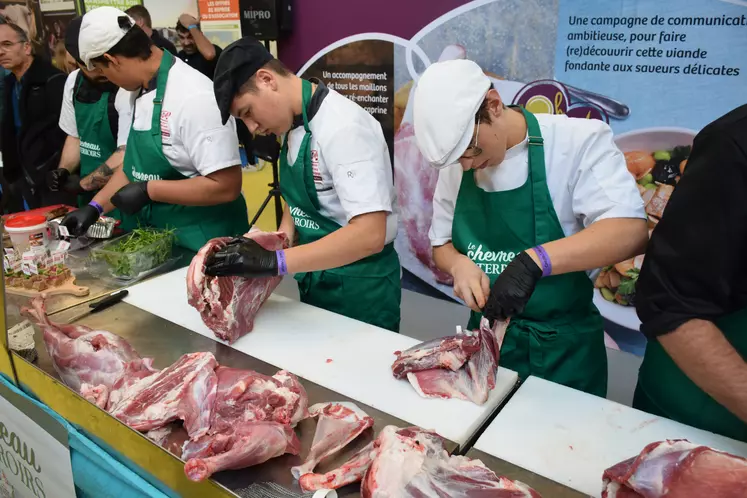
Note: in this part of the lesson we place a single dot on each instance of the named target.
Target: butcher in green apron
(691, 295)
(336, 178)
(502, 242)
(155, 189)
(89, 116)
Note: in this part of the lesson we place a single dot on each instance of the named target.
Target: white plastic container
(28, 232)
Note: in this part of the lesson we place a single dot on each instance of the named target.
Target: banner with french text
(657, 71)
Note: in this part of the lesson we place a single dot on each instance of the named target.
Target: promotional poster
(656, 72)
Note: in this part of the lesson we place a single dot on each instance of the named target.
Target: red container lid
(25, 220)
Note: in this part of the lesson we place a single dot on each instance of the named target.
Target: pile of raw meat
(214, 417)
(406, 463)
(228, 305)
(460, 366)
(677, 469)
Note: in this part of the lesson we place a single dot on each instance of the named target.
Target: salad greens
(136, 252)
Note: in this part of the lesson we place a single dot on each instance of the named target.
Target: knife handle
(108, 301)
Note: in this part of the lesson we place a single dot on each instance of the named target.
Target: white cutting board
(572, 437)
(339, 353)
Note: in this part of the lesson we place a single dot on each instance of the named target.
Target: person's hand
(57, 178)
(513, 288)
(471, 284)
(187, 20)
(131, 198)
(242, 258)
(79, 221)
(72, 185)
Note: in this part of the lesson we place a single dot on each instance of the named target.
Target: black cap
(71, 38)
(236, 64)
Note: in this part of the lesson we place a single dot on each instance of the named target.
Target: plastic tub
(28, 231)
(129, 265)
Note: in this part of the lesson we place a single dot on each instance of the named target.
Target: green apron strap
(161, 81)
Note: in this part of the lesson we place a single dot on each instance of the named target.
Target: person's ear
(111, 60)
(266, 78)
(495, 103)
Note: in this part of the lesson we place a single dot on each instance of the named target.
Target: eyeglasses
(473, 150)
(7, 45)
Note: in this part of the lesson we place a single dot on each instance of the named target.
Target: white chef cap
(447, 97)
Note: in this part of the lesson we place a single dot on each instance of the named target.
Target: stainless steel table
(544, 486)
(166, 342)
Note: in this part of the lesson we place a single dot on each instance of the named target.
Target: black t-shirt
(695, 265)
(88, 93)
(197, 61)
(162, 43)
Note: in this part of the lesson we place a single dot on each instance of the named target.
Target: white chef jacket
(351, 164)
(122, 104)
(195, 141)
(586, 175)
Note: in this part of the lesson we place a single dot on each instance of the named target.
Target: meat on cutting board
(677, 469)
(249, 444)
(337, 425)
(447, 352)
(81, 355)
(183, 391)
(473, 381)
(228, 305)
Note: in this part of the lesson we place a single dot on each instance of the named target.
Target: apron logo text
(491, 262)
(90, 149)
(302, 220)
(142, 177)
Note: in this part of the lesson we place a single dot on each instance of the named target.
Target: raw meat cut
(171, 437)
(415, 181)
(414, 463)
(81, 355)
(447, 352)
(246, 396)
(249, 444)
(677, 469)
(338, 424)
(184, 391)
(353, 471)
(228, 305)
(474, 380)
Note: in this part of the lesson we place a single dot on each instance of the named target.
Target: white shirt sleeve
(211, 146)
(358, 160)
(67, 112)
(602, 187)
(123, 104)
(444, 201)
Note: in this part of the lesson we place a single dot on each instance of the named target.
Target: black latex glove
(242, 258)
(512, 289)
(132, 197)
(77, 222)
(57, 178)
(72, 185)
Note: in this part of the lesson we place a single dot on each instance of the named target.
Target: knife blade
(102, 304)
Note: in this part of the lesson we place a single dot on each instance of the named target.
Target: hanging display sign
(120, 4)
(33, 464)
(259, 18)
(219, 10)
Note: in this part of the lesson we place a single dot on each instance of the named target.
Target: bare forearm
(445, 256)
(700, 349)
(116, 182)
(218, 188)
(103, 173)
(70, 157)
(603, 243)
(287, 226)
(363, 236)
(203, 44)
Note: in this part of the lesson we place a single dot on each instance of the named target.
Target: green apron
(559, 336)
(144, 160)
(368, 290)
(92, 120)
(663, 389)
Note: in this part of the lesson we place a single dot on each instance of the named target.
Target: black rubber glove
(57, 178)
(132, 197)
(72, 185)
(242, 258)
(512, 289)
(77, 222)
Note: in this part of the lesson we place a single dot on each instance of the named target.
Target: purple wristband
(545, 260)
(98, 207)
(282, 267)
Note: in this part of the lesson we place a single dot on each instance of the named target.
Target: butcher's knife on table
(102, 304)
